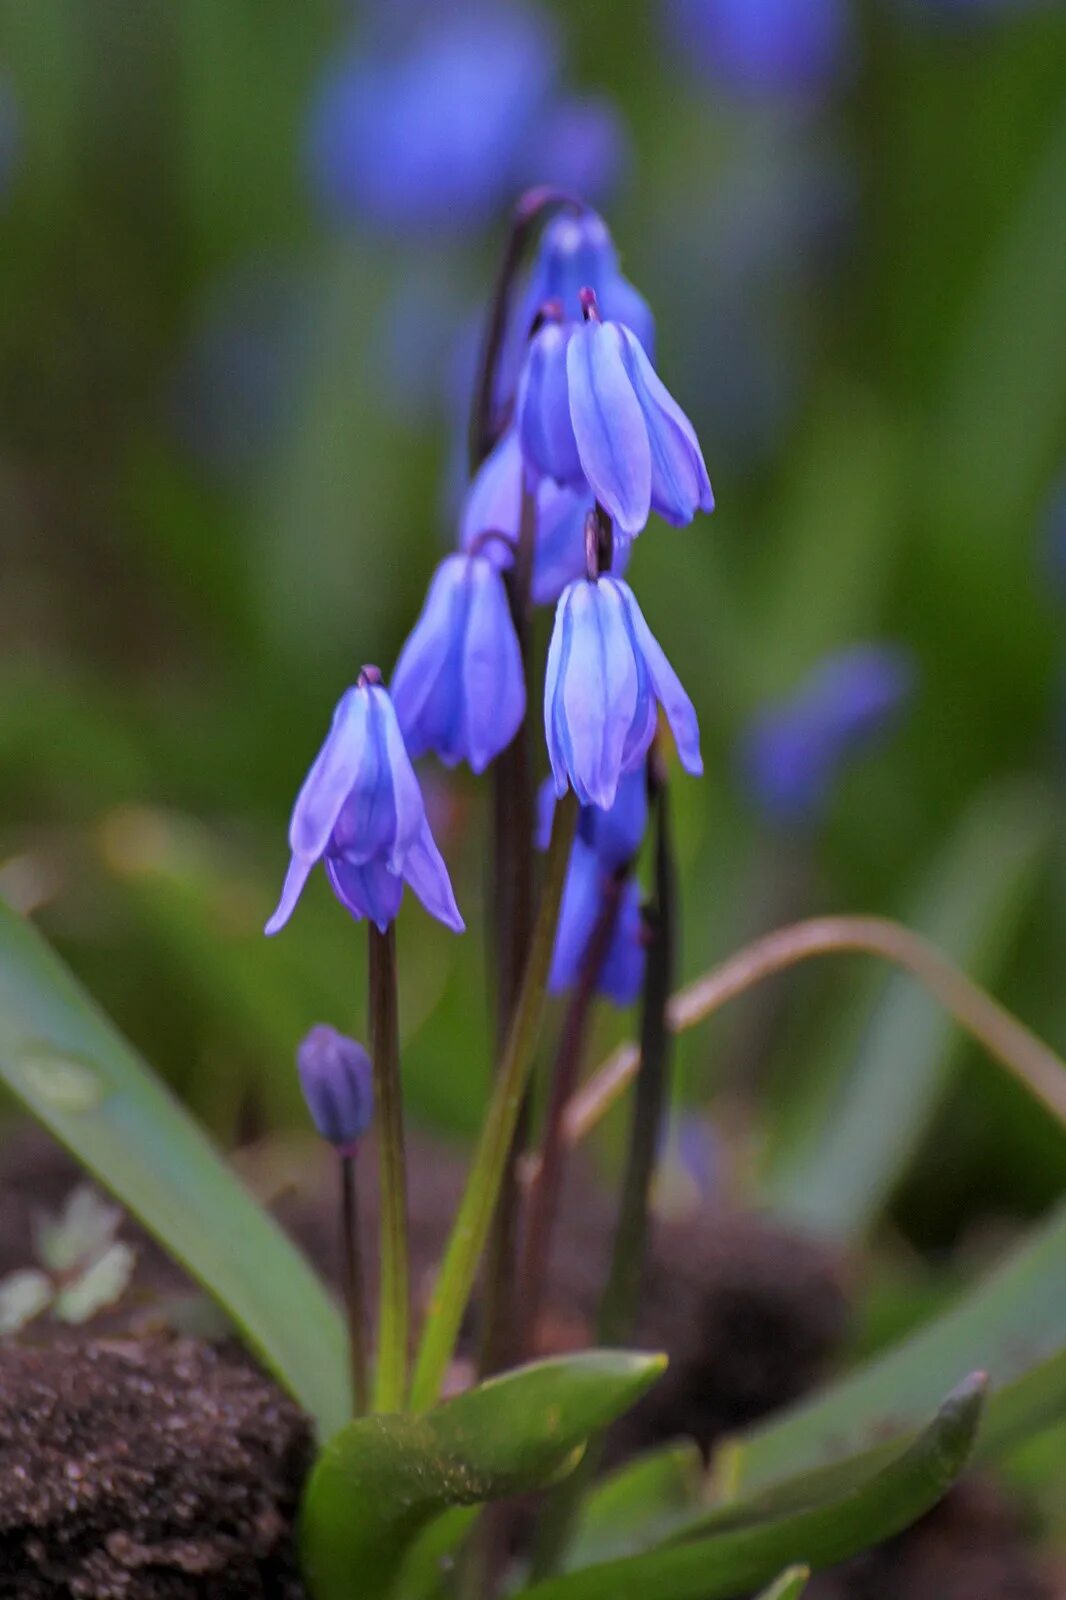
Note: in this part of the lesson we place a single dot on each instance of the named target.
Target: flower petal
(558, 654)
(297, 875)
(577, 917)
(543, 409)
(366, 889)
(680, 712)
(679, 482)
(493, 684)
(427, 874)
(609, 426)
(494, 498)
(332, 775)
(426, 683)
(409, 808)
(599, 691)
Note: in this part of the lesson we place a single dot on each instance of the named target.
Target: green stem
(354, 1295)
(620, 1296)
(459, 1268)
(394, 1293)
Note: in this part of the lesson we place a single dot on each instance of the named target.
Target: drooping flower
(337, 1082)
(360, 813)
(588, 883)
(765, 47)
(494, 504)
(592, 409)
(793, 753)
(606, 673)
(459, 687)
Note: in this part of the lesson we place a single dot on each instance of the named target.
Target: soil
(140, 1466)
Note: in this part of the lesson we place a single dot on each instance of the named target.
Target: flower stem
(1036, 1067)
(353, 1283)
(512, 927)
(619, 1303)
(394, 1294)
(470, 1231)
(545, 1190)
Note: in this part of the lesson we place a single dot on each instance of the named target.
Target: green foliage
(731, 1550)
(72, 1070)
(383, 1480)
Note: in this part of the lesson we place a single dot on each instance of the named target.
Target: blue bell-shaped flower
(360, 813)
(337, 1082)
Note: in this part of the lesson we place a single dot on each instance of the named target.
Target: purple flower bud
(793, 753)
(360, 812)
(337, 1082)
(606, 674)
(494, 502)
(587, 882)
(591, 409)
(459, 686)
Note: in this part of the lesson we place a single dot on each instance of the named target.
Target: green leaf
(383, 1480)
(746, 1553)
(789, 1586)
(638, 1505)
(1012, 1326)
(862, 1128)
(72, 1070)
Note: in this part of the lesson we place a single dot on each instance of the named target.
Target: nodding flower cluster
(592, 444)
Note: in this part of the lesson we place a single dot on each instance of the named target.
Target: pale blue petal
(599, 691)
(494, 498)
(679, 482)
(577, 917)
(493, 680)
(427, 874)
(366, 826)
(407, 796)
(426, 685)
(680, 712)
(609, 426)
(542, 410)
(558, 650)
(295, 878)
(330, 780)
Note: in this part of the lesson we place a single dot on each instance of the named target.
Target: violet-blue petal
(426, 685)
(407, 796)
(680, 712)
(577, 917)
(331, 777)
(679, 483)
(608, 424)
(543, 410)
(554, 729)
(616, 834)
(494, 498)
(622, 974)
(297, 874)
(598, 690)
(493, 679)
(369, 890)
(426, 872)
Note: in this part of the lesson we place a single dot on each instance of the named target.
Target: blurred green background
(228, 428)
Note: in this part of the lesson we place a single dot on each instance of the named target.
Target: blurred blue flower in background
(792, 754)
(796, 48)
(622, 972)
(434, 129)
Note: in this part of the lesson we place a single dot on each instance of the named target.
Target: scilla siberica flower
(494, 503)
(459, 687)
(592, 409)
(360, 813)
(606, 674)
(337, 1082)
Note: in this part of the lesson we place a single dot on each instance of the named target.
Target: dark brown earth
(139, 1467)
